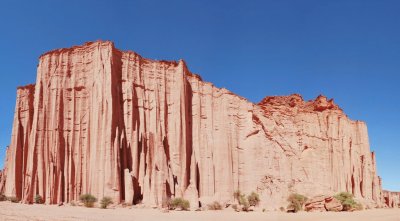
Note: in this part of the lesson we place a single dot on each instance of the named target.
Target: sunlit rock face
(391, 199)
(111, 123)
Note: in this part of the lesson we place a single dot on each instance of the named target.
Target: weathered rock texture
(111, 123)
(322, 204)
(391, 199)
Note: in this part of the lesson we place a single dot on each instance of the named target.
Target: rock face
(391, 199)
(111, 123)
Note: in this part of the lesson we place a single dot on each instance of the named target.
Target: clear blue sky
(345, 49)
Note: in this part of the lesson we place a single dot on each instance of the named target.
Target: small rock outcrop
(316, 204)
(322, 204)
(111, 123)
(333, 205)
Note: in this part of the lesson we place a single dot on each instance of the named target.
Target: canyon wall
(391, 199)
(111, 123)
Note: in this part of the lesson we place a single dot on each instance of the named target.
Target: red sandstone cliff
(391, 199)
(111, 123)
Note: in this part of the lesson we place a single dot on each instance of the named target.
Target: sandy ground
(10, 211)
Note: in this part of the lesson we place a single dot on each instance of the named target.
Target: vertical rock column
(16, 157)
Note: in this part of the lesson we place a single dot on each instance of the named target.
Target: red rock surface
(322, 204)
(333, 205)
(111, 123)
(316, 204)
(391, 199)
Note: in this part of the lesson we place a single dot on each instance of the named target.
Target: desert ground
(11, 212)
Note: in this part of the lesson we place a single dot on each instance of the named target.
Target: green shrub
(244, 203)
(3, 198)
(296, 202)
(253, 199)
(88, 200)
(348, 202)
(179, 203)
(237, 195)
(344, 196)
(13, 199)
(359, 207)
(105, 202)
(214, 206)
(38, 199)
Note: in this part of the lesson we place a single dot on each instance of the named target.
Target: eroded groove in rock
(111, 123)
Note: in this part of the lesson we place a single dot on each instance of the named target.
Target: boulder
(316, 204)
(333, 205)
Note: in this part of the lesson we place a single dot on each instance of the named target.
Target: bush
(253, 199)
(13, 199)
(88, 200)
(296, 202)
(215, 206)
(179, 203)
(244, 203)
(105, 202)
(2, 198)
(348, 202)
(343, 196)
(359, 207)
(237, 195)
(38, 199)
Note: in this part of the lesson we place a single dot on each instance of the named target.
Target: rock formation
(391, 199)
(111, 123)
(333, 205)
(322, 204)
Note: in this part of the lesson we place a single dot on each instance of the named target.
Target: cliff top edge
(321, 103)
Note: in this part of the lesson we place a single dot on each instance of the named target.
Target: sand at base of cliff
(20, 212)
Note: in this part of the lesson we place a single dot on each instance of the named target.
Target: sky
(348, 50)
